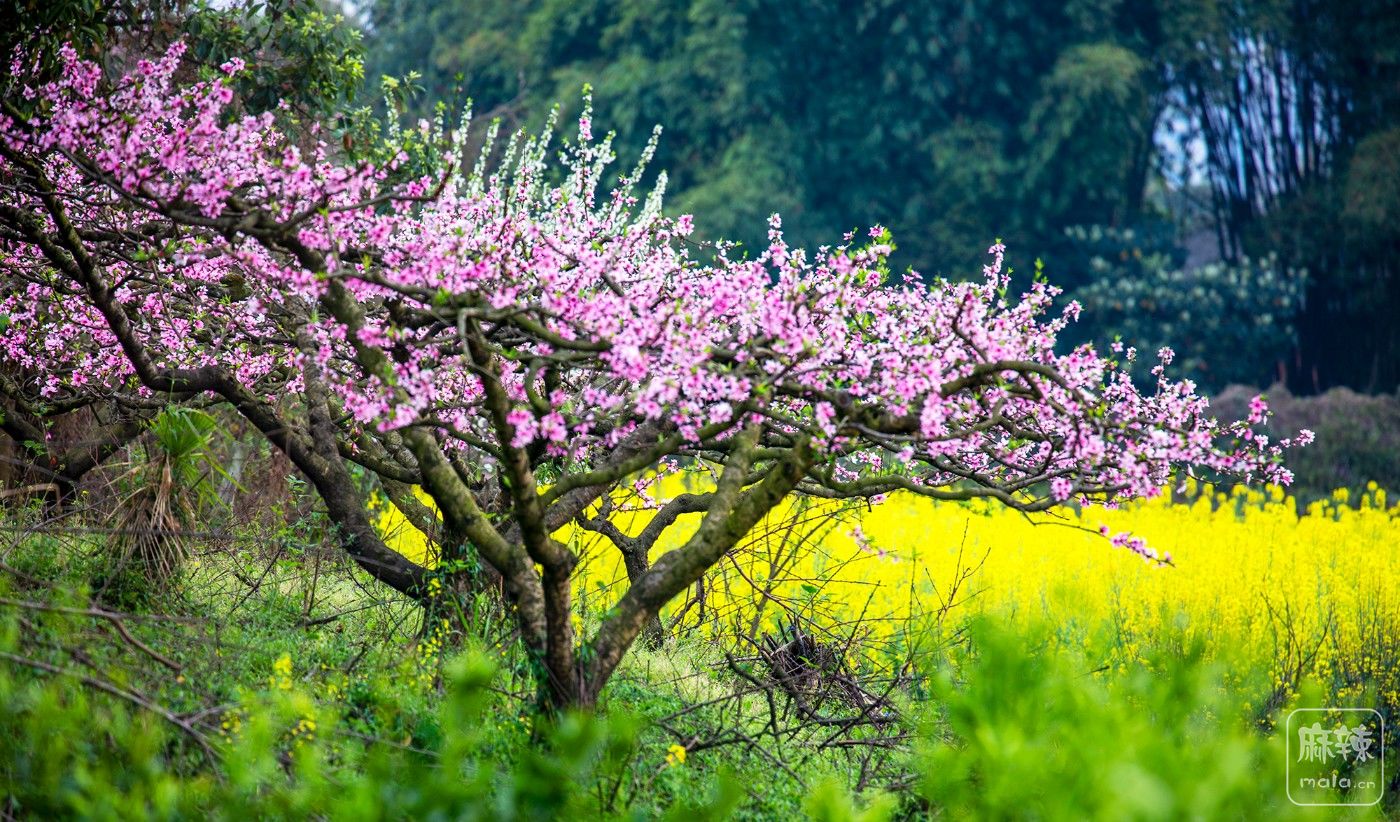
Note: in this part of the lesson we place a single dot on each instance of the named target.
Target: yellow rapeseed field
(1312, 596)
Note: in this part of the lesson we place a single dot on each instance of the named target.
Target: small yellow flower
(282, 670)
(231, 724)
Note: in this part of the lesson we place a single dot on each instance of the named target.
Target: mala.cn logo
(1336, 757)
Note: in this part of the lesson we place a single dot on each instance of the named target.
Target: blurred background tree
(953, 123)
(302, 52)
(1236, 131)
(1142, 295)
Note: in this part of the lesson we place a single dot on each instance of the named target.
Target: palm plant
(168, 491)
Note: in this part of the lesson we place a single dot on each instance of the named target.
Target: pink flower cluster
(219, 237)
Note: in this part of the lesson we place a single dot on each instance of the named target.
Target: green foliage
(1226, 323)
(183, 437)
(278, 764)
(1030, 734)
(1099, 94)
(829, 802)
(167, 493)
(42, 26)
(838, 115)
(302, 61)
(1372, 189)
(1303, 190)
(295, 51)
(303, 721)
(356, 717)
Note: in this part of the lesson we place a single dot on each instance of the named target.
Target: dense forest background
(1128, 143)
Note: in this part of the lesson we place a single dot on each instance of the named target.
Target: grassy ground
(1038, 680)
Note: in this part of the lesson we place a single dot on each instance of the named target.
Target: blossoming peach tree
(521, 339)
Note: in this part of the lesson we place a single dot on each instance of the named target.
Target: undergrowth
(272, 683)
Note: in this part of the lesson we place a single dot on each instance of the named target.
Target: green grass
(292, 691)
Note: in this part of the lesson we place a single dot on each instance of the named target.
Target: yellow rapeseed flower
(1248, 572)
(282, 673)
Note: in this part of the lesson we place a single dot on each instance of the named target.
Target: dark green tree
(1295, 103)
(951, 123)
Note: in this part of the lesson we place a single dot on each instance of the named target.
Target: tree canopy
(1253, 128)
(522, 337)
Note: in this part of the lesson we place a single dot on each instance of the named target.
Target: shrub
(1227, 323)
(1024, 732)
(147, 554)
(1358, 436)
